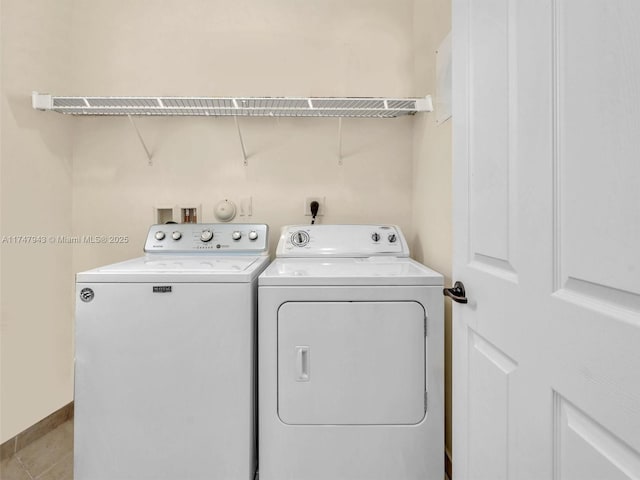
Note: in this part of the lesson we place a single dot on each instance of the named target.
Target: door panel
(489, 371)
(597, 163)
(585, 450)
(598, 167)
(547, 346)
(490, 157)
(351, 363)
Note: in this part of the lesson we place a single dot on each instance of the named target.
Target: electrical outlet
(321, 209)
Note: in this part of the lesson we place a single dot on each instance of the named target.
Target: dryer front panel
(351, 363)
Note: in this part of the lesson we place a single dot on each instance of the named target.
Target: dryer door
(351, 363)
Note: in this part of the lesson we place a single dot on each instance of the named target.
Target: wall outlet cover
(321, 209)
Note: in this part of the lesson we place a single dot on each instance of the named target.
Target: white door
(546, 378)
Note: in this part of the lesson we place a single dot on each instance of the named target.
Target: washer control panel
(208, 238)
(342, 241)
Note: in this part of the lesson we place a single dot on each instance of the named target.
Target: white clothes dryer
(165, 358)
(351, 358)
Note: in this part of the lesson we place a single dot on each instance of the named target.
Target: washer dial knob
(253, 235)
(159, 235)
(176, 235)
(375, 236)
(392, 238)
(206, 235)
(237, 235)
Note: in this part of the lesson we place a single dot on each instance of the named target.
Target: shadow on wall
(49, 126)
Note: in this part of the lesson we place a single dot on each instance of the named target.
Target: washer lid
(349, 271)
(185, 268)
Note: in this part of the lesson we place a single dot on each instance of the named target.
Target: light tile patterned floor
(48, 458)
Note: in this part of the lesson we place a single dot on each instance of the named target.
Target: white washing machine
(351, 358)
(165, 358)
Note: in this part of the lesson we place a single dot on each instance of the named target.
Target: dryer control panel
(342, 241)
(210, 238)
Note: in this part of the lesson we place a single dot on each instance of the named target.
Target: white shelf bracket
(244, 151)
(144, 145)
(41, 101)
(340, 141)
(424, 104)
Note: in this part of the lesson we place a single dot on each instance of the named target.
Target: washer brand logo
(162, 289)
(86, 294)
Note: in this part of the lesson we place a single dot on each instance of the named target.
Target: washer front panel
(164, 381)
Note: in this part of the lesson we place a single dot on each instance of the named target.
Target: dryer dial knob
(206, 235)
(159, 235)
(176, 235)
(300, 238)
(236, 235)
(253, 235)
(375, 236)
(392, 238)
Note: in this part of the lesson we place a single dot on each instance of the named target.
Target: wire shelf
(234, 106)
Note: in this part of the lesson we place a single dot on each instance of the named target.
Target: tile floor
(48, 458)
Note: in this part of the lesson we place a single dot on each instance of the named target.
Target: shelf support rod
(244, 150)
(340, 141)
(144, 145)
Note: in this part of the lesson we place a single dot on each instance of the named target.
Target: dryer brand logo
(86, 294)
(162, 289)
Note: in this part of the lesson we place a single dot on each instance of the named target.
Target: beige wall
(288, 48)
(431, 185)
(199, 161)
(204, 47)
(395, 171)
(36, 308)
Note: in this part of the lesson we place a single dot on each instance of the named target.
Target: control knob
(392, 238)
(253, 235)
(176, 235)
(300, 238)
(375, 236)
(159, 235)
(236, 235)
(206, 235)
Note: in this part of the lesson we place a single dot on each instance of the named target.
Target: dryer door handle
(302, 363)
